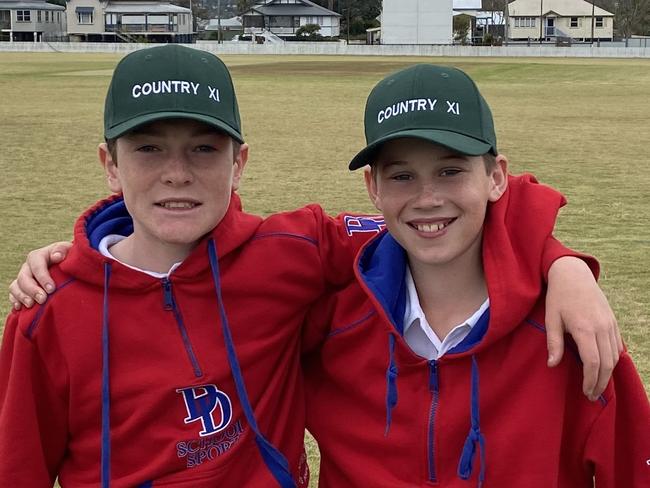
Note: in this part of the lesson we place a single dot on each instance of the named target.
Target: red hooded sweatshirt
(124, 380)
(489, 412)
(121, 379)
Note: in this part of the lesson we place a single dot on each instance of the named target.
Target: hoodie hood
(110, 216)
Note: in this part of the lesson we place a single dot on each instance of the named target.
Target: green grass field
(580, 125)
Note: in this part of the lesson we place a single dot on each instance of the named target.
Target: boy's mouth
(431, 226)
(178, 204)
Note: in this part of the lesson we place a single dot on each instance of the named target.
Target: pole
(219, 22)
(347, 25)
(507, 19)
(593, 20)
(541, 19)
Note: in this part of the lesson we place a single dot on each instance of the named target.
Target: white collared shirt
(419, 335)
(112, 239)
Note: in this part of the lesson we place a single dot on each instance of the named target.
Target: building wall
(329, 26)
(74, 27)
(55, 24)
(582, 31)
(416, 22)
(563, 11)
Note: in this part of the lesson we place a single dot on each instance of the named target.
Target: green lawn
(580, 125)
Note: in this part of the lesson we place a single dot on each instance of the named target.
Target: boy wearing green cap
(449, 295)
(133, 373)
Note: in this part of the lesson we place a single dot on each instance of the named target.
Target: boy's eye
(205, 148)
(450, 171)
(401, 177)
(147, 148)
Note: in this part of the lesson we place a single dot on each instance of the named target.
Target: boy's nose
(428, 196)
(177, 171)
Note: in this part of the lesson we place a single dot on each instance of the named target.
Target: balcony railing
(142, 28)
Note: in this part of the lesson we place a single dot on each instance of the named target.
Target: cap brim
(452, 140)
(136, 122)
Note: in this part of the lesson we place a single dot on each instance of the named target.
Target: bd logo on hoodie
(202, 403)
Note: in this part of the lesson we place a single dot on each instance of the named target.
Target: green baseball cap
(171, 81)
(439, 104)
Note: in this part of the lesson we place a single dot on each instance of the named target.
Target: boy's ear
(110, 168)
(240, 162)
(499, 176)
(371, 186)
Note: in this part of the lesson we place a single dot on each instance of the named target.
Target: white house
(284, 17)
(553, 19)
(416, 22)
(31, 20)
(158, 21)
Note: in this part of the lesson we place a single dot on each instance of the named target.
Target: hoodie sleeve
(33, 417)
(339, 241)
(618, 445)
(530, 201)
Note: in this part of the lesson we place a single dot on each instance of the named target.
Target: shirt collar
(413, 310)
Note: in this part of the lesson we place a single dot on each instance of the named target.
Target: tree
(309, 30)
(461, 28)
(630, 16)
(244, 5)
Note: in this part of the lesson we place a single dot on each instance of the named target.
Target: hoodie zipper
(433, 388)
(170, 305)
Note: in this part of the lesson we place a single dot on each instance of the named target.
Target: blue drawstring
(391, 382)
(465, 464)
(106, 391)
(273, 458)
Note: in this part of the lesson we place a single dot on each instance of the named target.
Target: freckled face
(434, 199)
(177, 177)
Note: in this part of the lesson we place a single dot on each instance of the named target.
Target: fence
(334, 48)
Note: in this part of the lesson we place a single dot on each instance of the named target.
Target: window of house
(38, 16)
(23, 16)
(573, 22)
(47, 16)
(85, 15)
(600, 22)
(524, 21)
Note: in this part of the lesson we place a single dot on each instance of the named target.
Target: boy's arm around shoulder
(575, 303)
(619, 440)
(339, 240)
(33, 414)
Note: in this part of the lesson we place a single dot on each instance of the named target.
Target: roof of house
(232, 22)
(564, 8)
(300, 8)
(28, 5)
(468, 4)
(145, 7)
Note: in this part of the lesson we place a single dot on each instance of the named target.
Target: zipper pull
(167, 292)
(433, 375)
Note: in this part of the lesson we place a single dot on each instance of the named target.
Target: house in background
(31, 20)
(484, 24)
(116, 21)
(229, 27)
(416, 22)
(284, 17)
(558, 19)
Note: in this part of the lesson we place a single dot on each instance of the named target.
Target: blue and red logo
(209, 405)
(355, 224)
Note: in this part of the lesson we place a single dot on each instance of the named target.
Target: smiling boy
(448, 296)
(169, 353)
